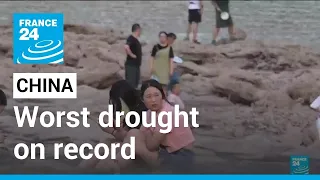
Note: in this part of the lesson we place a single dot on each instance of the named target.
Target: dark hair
(172, 35)
(122, 89)
(135, 27)
(162, 32)
(3, 98)
(153, 83)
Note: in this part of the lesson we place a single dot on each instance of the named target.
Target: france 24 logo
(299, 164)
(38, 38)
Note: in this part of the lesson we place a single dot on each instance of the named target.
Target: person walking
(134, 56)
(222, 6)
(194, 18)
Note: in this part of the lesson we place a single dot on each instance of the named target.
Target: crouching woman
(172, 150)
(125, 98)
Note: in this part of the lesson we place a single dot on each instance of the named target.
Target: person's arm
(171, 56)
(154, 139)
(127, 48)
(214, 2)
(118, 133)
(153, 54)
(201, 7)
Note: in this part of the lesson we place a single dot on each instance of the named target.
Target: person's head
(171, 38)
(136, 29)
(152, 94)
(125, 98)
(3, 101)
(163, 37)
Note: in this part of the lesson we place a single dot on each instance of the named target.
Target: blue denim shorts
(174, 79)
(181, 161)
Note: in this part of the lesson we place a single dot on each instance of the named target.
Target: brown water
(296, 21)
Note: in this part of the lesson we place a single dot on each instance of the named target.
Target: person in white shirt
(174, 95)
(315, 105)
(194, 18)
(318, 121)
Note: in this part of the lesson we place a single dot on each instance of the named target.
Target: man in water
(134, 56)
(194, 18)
(222, 6)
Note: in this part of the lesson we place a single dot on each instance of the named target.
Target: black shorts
(223, 23)
(194, 15)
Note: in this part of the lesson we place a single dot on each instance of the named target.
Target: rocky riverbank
(252, 96)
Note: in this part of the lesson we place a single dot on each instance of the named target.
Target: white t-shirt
(195, 4)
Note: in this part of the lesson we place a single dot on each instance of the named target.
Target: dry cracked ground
(253, 99)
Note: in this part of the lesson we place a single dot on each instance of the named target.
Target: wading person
(222, 6)
(134, 56)
(194, 18)
(162, 61)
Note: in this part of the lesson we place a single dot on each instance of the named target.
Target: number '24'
(27, 35)
(296, 163)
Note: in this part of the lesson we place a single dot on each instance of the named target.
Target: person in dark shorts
(3, 101)
(194, 18)
(222, 6)
(134, 56)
